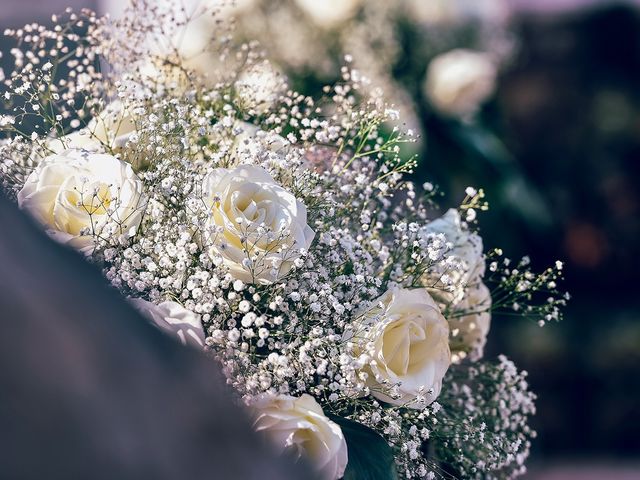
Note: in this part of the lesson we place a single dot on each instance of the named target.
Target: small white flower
(459, 81)
(234, 335)
(470, 191)
(470, 215)
(244, 306)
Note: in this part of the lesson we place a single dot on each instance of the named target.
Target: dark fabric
(89, 389)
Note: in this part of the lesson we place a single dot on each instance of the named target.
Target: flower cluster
(281, 234)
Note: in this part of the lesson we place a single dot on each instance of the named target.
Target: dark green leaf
(370, 456)
(484, 144)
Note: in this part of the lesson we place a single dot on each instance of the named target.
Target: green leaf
(484, 144)
(370, 456)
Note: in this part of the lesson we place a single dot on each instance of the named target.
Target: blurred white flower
(188, 28)
(455, 12)
(459, 81)
(328, 13)
(259, 86)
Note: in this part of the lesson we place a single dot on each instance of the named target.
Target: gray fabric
(90, 389)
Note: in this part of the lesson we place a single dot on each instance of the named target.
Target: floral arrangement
(282, 235)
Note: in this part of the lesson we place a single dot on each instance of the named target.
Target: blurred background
(537, 102)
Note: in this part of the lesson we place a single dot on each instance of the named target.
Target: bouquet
(282, 235)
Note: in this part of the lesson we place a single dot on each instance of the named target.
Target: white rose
(110, 128)
(78, 195)
(329, 13)
(174, 319)
(470, 322)
(459, 81)
(466, 247)
(255, 225)
(299, 426)
(407, 339)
